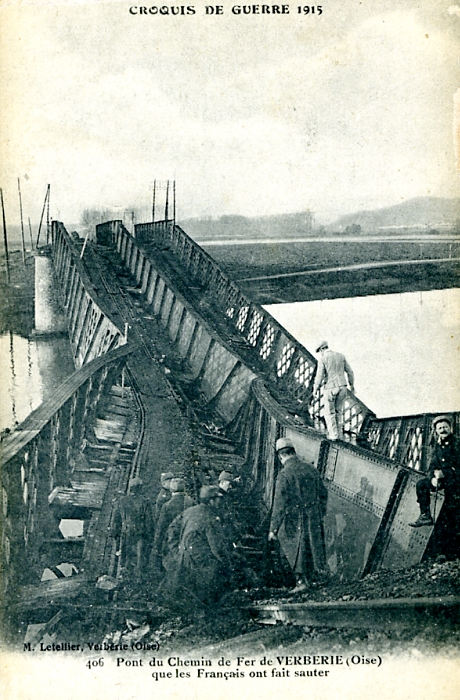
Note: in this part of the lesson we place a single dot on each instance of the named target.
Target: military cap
(283, 442)
(165, 476)
(137, 481)
(226, 476)
(208, 492)
(438, 419)
(322, 346)
(177, 485)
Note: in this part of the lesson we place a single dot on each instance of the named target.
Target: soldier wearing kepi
(443, 474)
(333, 369)
(133, 527)
(164, 493)
(203, 567)
(297, 517)
(171, 508)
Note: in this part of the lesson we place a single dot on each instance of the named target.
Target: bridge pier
(49, 319)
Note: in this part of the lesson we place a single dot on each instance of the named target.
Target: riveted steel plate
(218, 365)
(407, 544)
(234, 393)
(166, 306)
(185, 335)
(158, 298)
(175, 318)
(199, 348)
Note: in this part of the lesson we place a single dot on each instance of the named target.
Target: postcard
(229, 349)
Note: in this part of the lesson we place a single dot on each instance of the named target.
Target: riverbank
(276, 272)
(17, 307)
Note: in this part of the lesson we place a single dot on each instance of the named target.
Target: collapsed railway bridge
(177, 367)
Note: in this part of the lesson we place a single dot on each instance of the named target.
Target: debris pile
(230, 617)
(431, 578)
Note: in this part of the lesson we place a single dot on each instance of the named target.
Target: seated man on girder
(443, 474)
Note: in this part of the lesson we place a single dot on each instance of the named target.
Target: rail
(39, 456)
(395, 614)
(288, 367)
(405, 439)
(93, 327)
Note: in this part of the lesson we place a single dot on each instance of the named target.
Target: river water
(30, 369)
(403, 348)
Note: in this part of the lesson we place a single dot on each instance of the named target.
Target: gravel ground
(228, 625)
(434, 578)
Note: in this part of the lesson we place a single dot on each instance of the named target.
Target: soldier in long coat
(133, 528)
(297, 516)
(164, 494)
(203, 566)
(178, 502)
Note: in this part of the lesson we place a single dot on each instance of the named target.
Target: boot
(423, 519)
(300, 586)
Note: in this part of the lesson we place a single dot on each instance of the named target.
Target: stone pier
(49, 320)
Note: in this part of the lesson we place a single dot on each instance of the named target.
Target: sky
(251, 115)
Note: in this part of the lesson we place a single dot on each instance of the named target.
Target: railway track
(387, 613)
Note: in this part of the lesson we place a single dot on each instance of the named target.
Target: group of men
(193, 553)
(190, 549)
(443, 473)
(187, 549)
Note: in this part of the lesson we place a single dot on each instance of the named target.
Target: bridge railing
(287, 365)
(407, 439)
(37, 457)
(92, 332)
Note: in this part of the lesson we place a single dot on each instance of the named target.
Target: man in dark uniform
(133, 526)
(164, 493)
(297, 516)
(203, 567)
(178, 502)
(443, 474)
(227, 507)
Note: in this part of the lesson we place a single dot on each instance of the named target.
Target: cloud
(259, 117)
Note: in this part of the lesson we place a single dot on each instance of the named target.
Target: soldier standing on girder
(333, 369)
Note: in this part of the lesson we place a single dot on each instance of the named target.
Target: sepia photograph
(229, 349)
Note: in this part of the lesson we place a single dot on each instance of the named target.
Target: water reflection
(29, 371)
(404, 348)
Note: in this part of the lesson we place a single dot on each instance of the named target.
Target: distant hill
(420, 212)
(279, 225)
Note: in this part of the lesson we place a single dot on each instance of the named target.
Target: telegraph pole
(174, 202)
(48, 227)
(167, 201)
(22, 224)
(5, 239)
(30, 234)
(42, 215)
